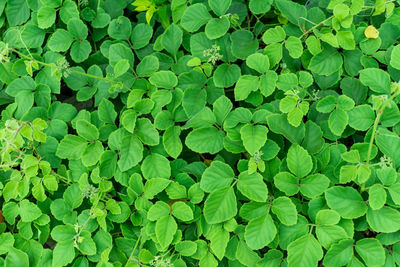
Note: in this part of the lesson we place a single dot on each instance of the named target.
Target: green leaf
(217, 27)
(63, 253)
(172, 39)
(216, 176)
(80, 51)
(186, 248)
(77, 29)
(244, 86)
(87, 130)
(141, 35)
(253, 137)
(120, 28)
(46, 17)
(226, 75)
(274, 35)
(286, 183)
(165, 230)
(156, 166)
(326, 63)
(131, 153)
(172, 142)
(260, 6)
(121, 67)
(252, 186)
(279, 124)
(194, 17)
(28, 211)
(361, 117)
(371, 251)
(260, 232)
(304, 251)
(295, 47)
(155, 186)
(314, 185)
(146, 132)
(346, 201)
(106, 111)
(60, 41)
(17, 12)
(63, 233)
(147, 66)
(182, 211)
(158, 210)
(220, 205)
(205, 140)
(346, 40)
(16, 257)
(395, 57)
(299, 161)
(384, 220)
(376, 79)
(285, 210)
(164, 79)
(339, 254)
(219, 7)
(6, 242)
(218, 243)
(337, 122)
(243, 44)
(377, 197)
(258, 62)
(394, 191)
(327, 217)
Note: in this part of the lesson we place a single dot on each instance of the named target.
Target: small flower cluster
(90, 191)
(385, 162)
(160, 261)
(213, 54)
(257, 156)
(4, 52)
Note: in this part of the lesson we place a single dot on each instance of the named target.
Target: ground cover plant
(199, 133)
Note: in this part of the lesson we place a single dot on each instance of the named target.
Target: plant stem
(316, 26)
(376, 122)
(74, 71)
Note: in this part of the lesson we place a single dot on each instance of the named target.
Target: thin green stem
(74, 71)
(376, 122)
(316, 26)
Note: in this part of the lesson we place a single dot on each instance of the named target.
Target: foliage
(199, 133)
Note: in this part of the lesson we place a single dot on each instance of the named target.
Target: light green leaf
(346, 201)
(253, 137)
(164, 79)
(172, 142)
(285, 210)
(194, 17)
(338, 120)
(218, 243)
(131, 153)
(260, 232)
(244, 86)
(299, 161)
(371, 251)
(182, 211)
(304, 251)
(253, 186)
(165, 230)
(384, 220)
(376, 79)
(220, 205)
(217, 175)
(205, 140)
(155, 166)
(295, 47)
